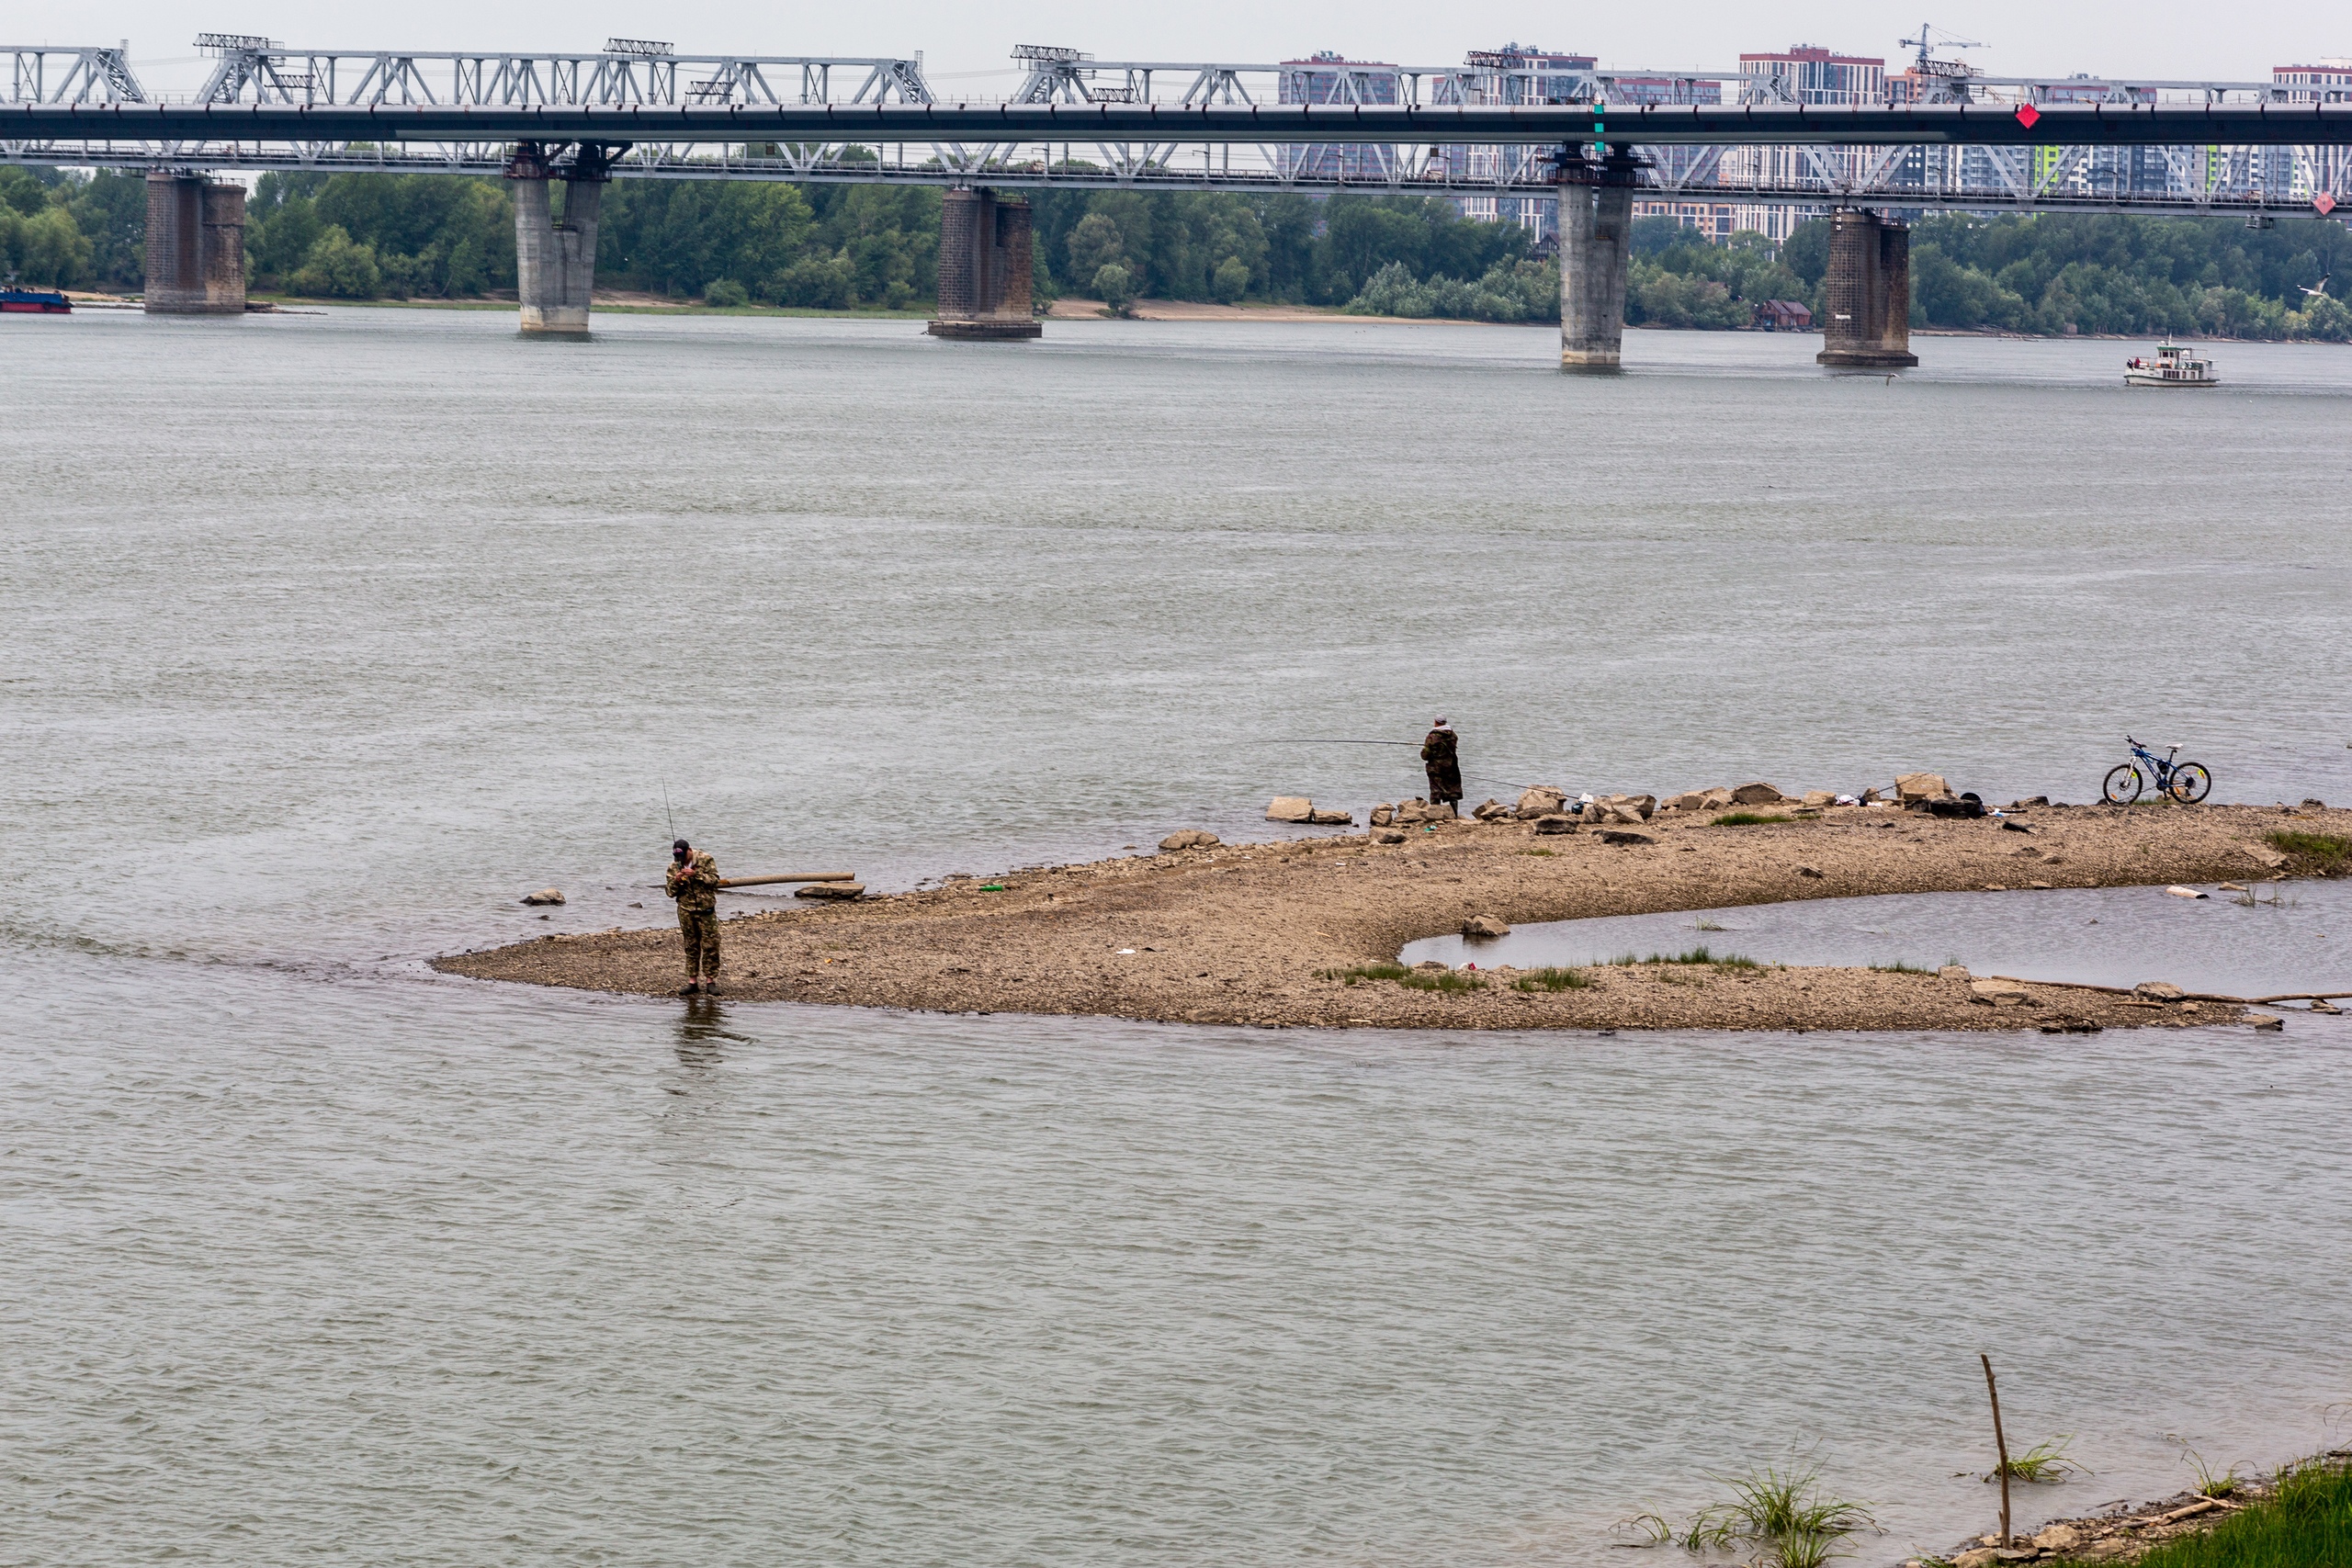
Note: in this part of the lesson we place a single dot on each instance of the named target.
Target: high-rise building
(1809, 74)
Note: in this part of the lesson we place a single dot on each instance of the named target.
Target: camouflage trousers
(700, 930)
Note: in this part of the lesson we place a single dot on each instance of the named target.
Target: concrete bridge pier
(1868, 293)
(555, 263)
(1596, 249)
(195, 245)
(984, 262)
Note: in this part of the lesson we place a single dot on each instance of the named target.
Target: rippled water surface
(327, 637)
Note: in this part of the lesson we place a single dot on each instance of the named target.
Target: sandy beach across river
(1261, 934)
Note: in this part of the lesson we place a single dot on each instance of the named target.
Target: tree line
(839, 247)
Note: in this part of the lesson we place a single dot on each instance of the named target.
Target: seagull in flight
(2320, 292)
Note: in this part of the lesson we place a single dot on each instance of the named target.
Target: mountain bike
(2188, 782)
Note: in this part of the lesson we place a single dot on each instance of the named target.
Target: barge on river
(34, 301)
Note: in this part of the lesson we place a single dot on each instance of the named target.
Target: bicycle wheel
(2191, 782)
(2123, 785)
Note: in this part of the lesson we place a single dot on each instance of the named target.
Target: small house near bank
(1782, 316)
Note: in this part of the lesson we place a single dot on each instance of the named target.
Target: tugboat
(2173, 367)
(40, 302)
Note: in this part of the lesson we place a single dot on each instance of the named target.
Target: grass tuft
(1698, 954)
(2307, 1520)
(1411, 979)
(1747, 819)
(1900, 967)
(1781, 1514)
(1357, 973)
(2329, 853)
(2042, 1462)
(1705, 924)
(1552, 979)
(2228, 1483)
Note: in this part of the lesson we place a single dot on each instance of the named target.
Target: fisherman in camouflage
(693, 881)
(1441, 759)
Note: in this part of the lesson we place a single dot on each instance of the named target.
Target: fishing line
(1480, 778)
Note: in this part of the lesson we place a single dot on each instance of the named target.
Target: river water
(327, 636)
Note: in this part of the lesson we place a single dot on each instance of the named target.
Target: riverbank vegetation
(840, 247)
(2305, 1522)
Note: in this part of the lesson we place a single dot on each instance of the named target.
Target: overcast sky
(2153, 37)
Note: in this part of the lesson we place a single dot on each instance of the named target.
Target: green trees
(2057, 273)
(1508, 291)
(1678, 279)
(41, 243)
(2047, 274)
(682, 236)
(379, 236)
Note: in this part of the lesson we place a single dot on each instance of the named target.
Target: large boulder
(1540, 801)
(1290, 808)
(1486, 928)
(2157, 991)
(1382, 814)
(832, 890)
(1818, 798)
(1321, 817)
(1627, 808)
(1997, 993)
(1618, 836)
(545, 896)
(1490, 811)
(1545, 827)
(1190, 838)
(1754, 795)
(1909, 787)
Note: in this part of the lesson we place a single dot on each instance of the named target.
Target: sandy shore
(1261, 934)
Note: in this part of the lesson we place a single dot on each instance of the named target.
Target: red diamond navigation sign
(2324, 202)
(2027, 115)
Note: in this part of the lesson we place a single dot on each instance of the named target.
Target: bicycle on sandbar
(2187, 783)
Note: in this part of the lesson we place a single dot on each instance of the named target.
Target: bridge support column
(555, 264)
(196, 246)
(984, 262)
(1596, 249)
(1868, 297)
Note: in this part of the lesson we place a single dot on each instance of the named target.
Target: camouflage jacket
(694, 885)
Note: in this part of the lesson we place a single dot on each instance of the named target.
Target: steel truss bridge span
(2037, 191)
(165, 127)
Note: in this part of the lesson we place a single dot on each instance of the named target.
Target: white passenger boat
(2172, 366)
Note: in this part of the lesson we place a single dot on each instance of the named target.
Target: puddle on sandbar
(2101, 936)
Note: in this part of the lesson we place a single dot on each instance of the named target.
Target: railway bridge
(1595, 142)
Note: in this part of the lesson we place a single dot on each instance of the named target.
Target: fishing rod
(667, 812)
(1481, 778)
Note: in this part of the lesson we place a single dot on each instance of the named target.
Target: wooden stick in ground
(803, 876)
(2000, 1444)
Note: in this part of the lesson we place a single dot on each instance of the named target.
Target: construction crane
(1928, 37)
